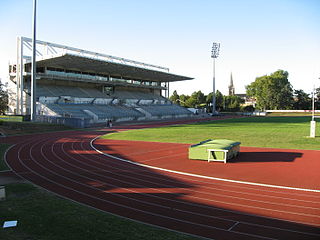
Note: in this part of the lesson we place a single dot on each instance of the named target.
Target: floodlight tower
(214, 55)
(33, 108)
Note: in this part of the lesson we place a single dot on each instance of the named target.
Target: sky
(257, 37)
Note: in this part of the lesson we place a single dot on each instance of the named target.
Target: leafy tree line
(272, 92)
(199, 100)
(3, 99)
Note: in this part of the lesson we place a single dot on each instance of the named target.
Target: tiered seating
(102, 111)
(92, 92)
(69, 110)
(90, 103)
(57, 109)
(115, 111)
(55, 90)
(158, 110)
(112, 111)
(137, 95)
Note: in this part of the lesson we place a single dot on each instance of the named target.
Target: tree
(272, 91)
(209, 100)
(302, 100)
(318, 93)
(191, 102)
(199, 98)
(183, 99)
(317, 99)
(219, 101)
(248, 108)
(195, 100)
(3, 99)
(175, 97)
(232, 103)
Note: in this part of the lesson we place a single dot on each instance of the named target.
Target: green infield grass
(291, 114)
(8, 118)
(3, 149)
(273, 132)
(19, 128)
(42, 215)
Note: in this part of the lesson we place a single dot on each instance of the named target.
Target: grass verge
(3, 149)
(42, 215)
(17, 128)
(273, 132)
(291, 114)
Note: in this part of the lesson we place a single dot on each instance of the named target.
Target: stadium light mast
(214, 55)
(33, 64)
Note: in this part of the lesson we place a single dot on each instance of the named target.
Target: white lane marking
(233, 226)
(117, 204)
(64, 177)
(202, 176)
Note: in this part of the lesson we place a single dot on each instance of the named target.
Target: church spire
(231, 86)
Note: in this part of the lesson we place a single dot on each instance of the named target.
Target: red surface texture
(66, 164)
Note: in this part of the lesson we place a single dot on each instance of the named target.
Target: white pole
(214, 89)
(313, 100)
(214, 54)
(33, 66)
(22, 98)
(18, 67)
(313, 122)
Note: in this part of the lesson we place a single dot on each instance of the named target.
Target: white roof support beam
(61, 49)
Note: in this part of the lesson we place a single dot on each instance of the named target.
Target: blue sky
(257, 37)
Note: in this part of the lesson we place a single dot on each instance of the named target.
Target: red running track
(66, 164)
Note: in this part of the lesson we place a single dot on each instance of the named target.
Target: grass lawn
(3, 148)
(44, 216)
(291, 114)
(17, 128)
(274, 132)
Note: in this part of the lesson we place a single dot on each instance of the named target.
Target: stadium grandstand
(73, 83)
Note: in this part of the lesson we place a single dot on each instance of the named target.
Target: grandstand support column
(168, 90)
(21, 85)
(33, 66)
(18, 76)
(21, 80)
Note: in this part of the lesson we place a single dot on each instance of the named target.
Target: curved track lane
(65, 163)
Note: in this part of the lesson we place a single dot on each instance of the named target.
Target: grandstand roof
(87, 64)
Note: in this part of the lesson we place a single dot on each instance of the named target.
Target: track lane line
(88, 159)
(202, 176)
(179, 220)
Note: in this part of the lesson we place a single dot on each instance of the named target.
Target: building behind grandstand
(78, 84)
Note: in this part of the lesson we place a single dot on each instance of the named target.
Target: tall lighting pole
(33, 65)
(214, 55)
